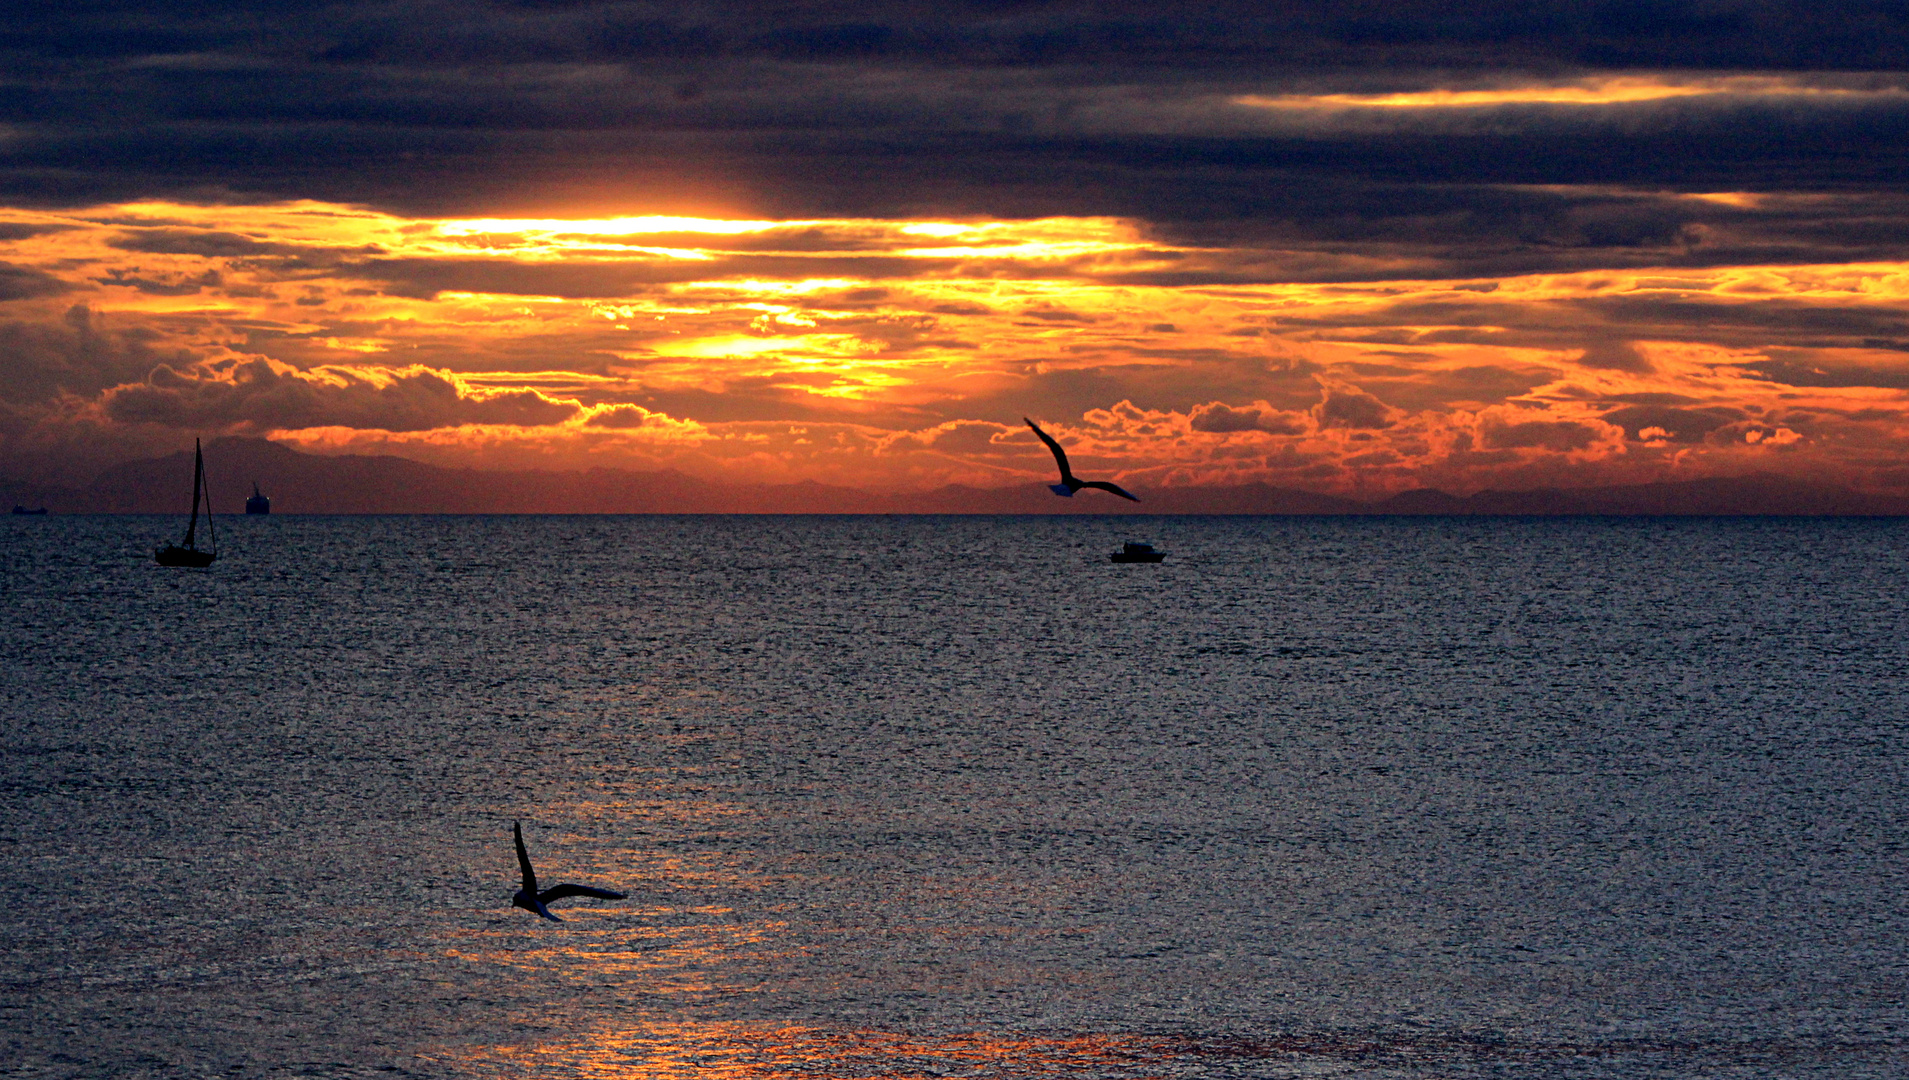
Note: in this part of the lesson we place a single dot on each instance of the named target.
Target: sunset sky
(1348, 247)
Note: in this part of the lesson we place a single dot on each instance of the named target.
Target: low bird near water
(531, 900)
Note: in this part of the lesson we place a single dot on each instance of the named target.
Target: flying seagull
(1069, 483)
(530, 899)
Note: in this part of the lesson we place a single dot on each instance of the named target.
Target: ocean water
(957, 797)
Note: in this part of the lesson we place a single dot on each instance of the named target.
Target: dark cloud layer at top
(996, 108)
(1850, 34)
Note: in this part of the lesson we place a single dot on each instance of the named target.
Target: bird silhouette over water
(530, 899)
(1069, 482)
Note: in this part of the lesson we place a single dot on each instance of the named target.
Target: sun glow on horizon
(1050, 239)
(906, 350)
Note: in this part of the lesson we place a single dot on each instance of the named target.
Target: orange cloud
(901, 354)
(1219, 417)
(1601, 90)
(263, 395)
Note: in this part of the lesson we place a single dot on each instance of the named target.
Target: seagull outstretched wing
(530, 899)
(1060, 456)
(558, 892)
(1069, 482)
(1108, 485)
(523, 864)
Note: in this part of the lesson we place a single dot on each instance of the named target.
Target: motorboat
(1134, 551)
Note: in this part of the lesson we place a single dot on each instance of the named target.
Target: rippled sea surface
(957, 797)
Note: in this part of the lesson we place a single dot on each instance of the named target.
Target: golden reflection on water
(729, 1051)
(666, 957)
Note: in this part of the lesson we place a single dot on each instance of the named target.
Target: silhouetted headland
(361, 484)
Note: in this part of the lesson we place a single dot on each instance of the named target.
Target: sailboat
(188, 554)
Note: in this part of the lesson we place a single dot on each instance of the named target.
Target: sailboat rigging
(189, 553)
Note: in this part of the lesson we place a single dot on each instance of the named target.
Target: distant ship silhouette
(257, 504)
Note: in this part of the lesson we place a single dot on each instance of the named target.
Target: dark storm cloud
(622, 417)
(1615, 356)
(809, 110)
(1770, 321)
(23, 230)
(1559, 435)
(24, 283)
(255, 395)
(172, 286)
(1416, 388)
(43, 361)
(1844, 34)
(1820, 374)
(1675, 425)
(1351, 407)
(1601, 329)
(213, 243)
(1219, 417)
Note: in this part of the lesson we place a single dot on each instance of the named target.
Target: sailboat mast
(206, 482)
(198, 474)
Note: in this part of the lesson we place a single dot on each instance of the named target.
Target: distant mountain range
(357, 484)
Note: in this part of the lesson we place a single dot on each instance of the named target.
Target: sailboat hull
(174, 555)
